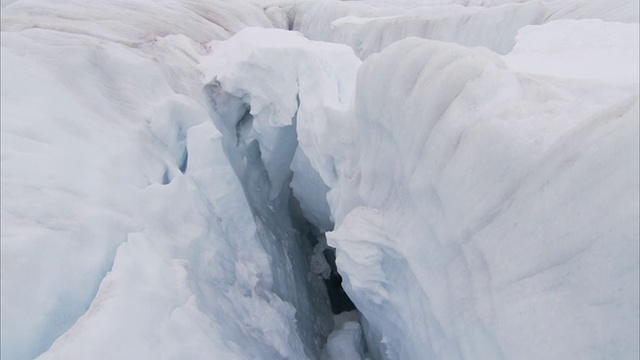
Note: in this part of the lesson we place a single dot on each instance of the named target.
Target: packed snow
(192, 180)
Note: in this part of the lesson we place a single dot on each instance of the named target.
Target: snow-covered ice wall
(126, 233)
(487, 207)
(511, 200)
(489, 210)
(159, 175)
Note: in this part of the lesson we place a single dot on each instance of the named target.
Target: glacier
(174, 174)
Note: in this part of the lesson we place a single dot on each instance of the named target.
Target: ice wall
(507, 236)
(126, 233)
(483, 212)
(277, 87)
(262, 84)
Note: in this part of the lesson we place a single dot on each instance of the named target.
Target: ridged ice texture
(485, 213)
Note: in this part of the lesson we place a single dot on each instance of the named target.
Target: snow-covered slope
(163, 181)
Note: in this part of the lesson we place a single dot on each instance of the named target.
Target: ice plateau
(188, 179)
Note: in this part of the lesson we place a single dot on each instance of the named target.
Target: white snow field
(173, 171)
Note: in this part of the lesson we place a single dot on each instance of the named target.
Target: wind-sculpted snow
(485, 213)
(370, 26)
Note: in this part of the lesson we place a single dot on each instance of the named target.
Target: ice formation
(493, 202)
(178, 178)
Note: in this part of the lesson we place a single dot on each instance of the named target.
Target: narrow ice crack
(278, 210)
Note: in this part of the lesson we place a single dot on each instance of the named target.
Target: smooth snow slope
(483, 206)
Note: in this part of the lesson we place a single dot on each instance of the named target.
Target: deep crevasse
(268, 83)
(415, 235)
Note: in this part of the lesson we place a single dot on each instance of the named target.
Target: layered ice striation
(486, 211)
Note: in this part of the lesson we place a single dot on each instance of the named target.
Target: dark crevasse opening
(323, 265)
(307, 277)
(340, 301)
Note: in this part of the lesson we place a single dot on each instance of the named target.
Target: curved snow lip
(286, 84)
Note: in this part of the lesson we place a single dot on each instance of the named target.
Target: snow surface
(160, 177)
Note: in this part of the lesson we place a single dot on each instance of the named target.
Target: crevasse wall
(481, 202)
(483, 212)
(126, 233)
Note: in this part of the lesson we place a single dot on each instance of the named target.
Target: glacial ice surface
(478, 178)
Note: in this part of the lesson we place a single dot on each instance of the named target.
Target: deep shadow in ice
(340, 301)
